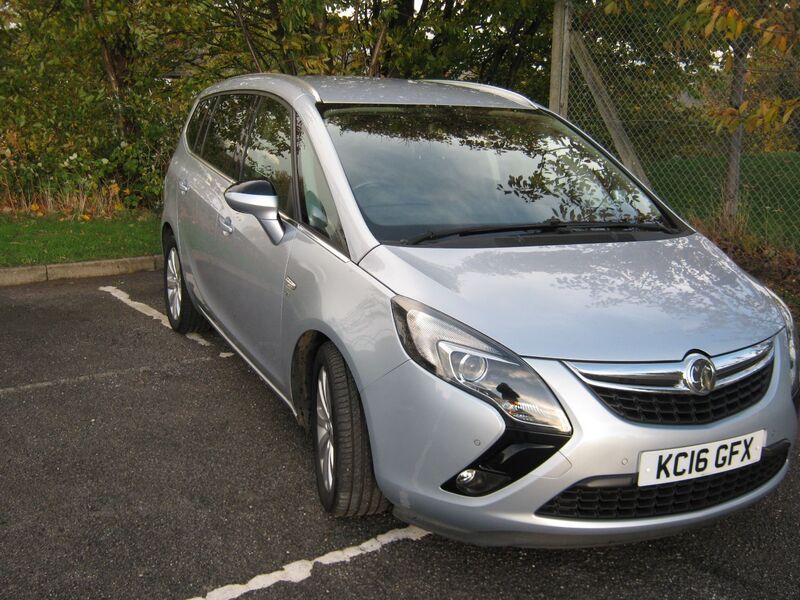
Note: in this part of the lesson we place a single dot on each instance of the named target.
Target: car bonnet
(624, 301)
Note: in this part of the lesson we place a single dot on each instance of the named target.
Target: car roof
(372, 90)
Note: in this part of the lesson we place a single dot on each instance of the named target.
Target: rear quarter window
(197, 123)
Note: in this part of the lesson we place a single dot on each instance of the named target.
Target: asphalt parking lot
(139, 463)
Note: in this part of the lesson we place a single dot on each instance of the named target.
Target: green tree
(93, 92)
(744, 31)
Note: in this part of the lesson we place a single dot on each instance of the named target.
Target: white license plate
(678, 464)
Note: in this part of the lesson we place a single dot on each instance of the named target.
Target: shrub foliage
(94, 92)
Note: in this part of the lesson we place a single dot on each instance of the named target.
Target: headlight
(476, 364)
(791, 335)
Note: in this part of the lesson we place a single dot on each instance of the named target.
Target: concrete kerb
(92, 268)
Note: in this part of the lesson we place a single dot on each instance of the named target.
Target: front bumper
(423, 431)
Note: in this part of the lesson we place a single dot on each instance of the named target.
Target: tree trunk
(441, 39)
(285, 58)
(405, 12)
(524, 50)
(376, 53)
(730, 196)
(400, 28)
(115, 52)
(237, 9)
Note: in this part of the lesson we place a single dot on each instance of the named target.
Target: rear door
(190, 175)
(218, 161)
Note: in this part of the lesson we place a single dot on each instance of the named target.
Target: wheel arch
(302, 363)
(166, 229)
(305, 350)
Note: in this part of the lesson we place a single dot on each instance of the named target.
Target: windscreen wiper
(463, 231)
(640, 226)
(552, 225)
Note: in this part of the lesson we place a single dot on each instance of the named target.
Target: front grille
(582, 501)
(665, 408)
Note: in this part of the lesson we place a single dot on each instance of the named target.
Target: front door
(249, 270)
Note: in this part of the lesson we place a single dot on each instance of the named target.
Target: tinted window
(420, 169)
(268, 154)
(318, 206)
(222, 146)
(197, 123)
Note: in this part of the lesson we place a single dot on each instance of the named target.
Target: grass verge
(26, 240)
(769, 207)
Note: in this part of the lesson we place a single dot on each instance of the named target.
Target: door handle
(226, 225)
(183, 186)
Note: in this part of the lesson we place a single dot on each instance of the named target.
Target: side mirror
(257, 198)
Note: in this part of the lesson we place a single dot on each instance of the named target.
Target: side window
(197, 123)
(268, 154)
(319, 210)
(222, 146)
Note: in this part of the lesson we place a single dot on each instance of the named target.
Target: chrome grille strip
(668, 376)
(736, 362)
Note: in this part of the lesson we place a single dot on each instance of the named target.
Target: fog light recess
(515, 454)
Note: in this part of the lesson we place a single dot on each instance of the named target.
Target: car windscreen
(418, 171)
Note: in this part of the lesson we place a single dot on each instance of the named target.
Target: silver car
(483, 319)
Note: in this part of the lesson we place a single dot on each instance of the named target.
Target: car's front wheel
(181, 311)
(343, 461)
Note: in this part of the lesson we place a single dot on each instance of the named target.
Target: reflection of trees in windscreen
(572, 178)
(577, 183)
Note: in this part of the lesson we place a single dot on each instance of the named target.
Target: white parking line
(149, 311)
(196, 337)
(92, 376)
(299, 570)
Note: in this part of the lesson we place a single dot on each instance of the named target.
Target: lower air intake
(583, 501)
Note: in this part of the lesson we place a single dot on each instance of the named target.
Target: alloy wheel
(174, 292)
(325, 448)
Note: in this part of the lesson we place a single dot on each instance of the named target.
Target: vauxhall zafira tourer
(485, 321)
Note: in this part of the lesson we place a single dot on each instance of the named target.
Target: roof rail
(489, 89)
(298, 81)
(310, 89)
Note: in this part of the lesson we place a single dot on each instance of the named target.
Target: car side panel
(169, 214)
(340, 300)
(249, 279)
(179, 209)
(202, 244)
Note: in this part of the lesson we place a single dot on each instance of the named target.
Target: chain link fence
(662, 90)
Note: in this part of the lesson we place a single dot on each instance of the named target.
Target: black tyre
(343, 461)
(181, 311)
